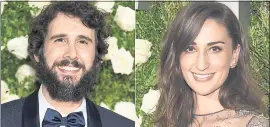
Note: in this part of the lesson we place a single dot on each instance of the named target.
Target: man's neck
(64, 108)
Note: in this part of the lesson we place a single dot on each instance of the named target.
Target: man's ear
(235, 55)
(36, 58)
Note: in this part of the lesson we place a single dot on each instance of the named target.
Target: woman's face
(206, 62)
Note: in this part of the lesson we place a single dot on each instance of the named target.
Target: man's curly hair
(89, 15)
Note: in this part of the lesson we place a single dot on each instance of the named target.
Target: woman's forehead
(212, 31)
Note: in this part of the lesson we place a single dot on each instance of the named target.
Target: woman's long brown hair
(176, 103)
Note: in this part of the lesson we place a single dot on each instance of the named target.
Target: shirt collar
(44, 104)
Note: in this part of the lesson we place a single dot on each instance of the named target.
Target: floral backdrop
(116, 86)
(115, 89)
(151, 25)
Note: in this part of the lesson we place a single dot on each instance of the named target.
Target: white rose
(122, 62)
(2, 48)
(24, 71)
(104, 106)
(10, 97)
(142, 51)
(150, 101)
(4, 90)
(18, 47)
(105, 6)
(40, 4)
(125, 18)
(2, 6)
(126, 109)
(138, 122)
(113, 47)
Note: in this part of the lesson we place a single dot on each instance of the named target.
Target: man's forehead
(67, 24)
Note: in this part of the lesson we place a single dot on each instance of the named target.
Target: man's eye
(60, 40)
(189, 49)
(83, 42)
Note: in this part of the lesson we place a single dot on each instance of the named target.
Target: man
(66, 44)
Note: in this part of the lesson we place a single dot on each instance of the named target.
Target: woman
(205, 79)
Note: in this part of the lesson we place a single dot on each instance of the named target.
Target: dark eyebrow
(210, 43)
(85, 37)
(57, 36)
(215, 42)
(64, 35)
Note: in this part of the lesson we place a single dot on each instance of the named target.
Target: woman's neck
(207, 104)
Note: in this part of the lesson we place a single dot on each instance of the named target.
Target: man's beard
(68, 90)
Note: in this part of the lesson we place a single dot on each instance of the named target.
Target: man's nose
(71, 52)
(202, 62)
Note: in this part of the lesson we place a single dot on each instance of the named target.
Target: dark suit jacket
(25, 113)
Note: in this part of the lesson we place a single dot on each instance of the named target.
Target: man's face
(66, 66)
(68, 39)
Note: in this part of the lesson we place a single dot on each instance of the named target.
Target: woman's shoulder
(256, 119)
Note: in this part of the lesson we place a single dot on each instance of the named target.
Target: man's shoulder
(112, 119)
(13, 104)
(11, 111)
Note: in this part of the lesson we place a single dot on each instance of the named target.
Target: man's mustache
(67, 62)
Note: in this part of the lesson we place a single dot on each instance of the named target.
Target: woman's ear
(235, 55)
(36, 58)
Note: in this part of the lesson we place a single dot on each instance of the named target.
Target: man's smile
(68, 70)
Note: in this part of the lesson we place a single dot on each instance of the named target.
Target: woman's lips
(202, 77)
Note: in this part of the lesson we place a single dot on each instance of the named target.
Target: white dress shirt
(43, 105)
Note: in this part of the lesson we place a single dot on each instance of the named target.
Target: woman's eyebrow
(210, 43)
(215, 42)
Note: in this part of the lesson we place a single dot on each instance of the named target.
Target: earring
(232, 65)
(177, 69)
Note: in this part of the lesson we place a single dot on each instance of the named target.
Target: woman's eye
(59, 40)
(215, 49)
(190, 49)
(83, 42)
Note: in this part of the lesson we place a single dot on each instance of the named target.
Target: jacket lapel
(93, 117)
(30, 113)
